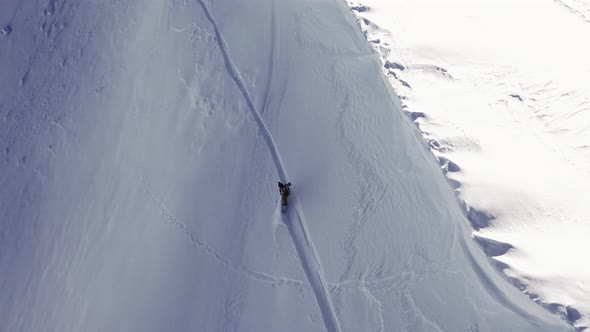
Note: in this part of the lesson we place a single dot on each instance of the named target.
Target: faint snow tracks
(412, 316)
(298, 231)
(489, 285)
(237, 78)
(170, 218)
(373, 188)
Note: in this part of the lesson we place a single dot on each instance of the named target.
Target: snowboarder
(285, 191)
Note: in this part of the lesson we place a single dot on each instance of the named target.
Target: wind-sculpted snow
(143, 144)
(237, 78)
(484, 96)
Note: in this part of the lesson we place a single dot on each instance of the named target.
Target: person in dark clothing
(285, 191)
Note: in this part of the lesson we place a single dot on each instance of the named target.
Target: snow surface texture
(142, 145)
(501, 91)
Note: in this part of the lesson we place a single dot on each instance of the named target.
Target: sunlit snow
(505, 90)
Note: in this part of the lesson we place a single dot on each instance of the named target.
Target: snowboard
(284, 204)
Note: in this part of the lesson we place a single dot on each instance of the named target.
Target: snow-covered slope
(502, 90)
(142, 145)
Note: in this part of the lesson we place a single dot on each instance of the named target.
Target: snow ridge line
(305, 249)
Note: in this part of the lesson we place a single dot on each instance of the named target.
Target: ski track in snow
(182, 227)
(312, 266)
(298, 230)
(412, 315)
(237, 78)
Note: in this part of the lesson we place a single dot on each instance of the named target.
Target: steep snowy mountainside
(143, 143)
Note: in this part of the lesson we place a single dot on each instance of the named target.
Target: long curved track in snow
(237, 78)
(308, 256)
